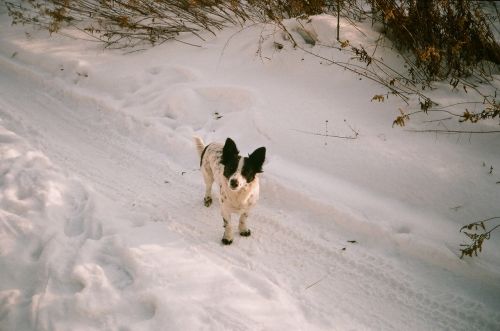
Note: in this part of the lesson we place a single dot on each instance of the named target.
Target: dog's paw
(207, 201)
(227, 241)
(245, 233)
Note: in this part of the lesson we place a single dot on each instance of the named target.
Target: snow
(102, 223)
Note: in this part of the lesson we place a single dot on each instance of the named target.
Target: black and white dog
(237, 177)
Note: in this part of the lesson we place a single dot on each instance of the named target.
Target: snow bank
(44, 218)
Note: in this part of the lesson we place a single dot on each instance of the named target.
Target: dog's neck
(244, 193)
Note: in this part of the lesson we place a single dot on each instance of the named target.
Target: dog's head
(240, 171)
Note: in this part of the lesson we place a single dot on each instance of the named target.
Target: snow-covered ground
(102, 224)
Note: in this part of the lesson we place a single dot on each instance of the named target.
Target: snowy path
(131, 247)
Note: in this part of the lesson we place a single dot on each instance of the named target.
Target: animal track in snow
(104, 283)
(78, 205)
(111, 257)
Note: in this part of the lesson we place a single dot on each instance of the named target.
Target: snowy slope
(102, 225)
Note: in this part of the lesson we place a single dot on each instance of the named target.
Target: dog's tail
(200, 145)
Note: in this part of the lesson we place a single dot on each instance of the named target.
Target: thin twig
(439, 120)
(229, 40)
(452, 131)
(325, 135)
(317, 282)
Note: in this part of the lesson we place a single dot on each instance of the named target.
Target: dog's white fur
(239, 200)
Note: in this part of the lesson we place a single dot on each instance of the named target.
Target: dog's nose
(233, 183)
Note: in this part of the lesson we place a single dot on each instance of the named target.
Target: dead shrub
(448, 38)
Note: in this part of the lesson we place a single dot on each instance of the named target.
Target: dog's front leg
(227, 239)
(242, 227)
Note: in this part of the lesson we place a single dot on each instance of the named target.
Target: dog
(237, 178)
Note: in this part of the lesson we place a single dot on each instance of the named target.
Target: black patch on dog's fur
(203, 153)
(252, 164)
(230, 158)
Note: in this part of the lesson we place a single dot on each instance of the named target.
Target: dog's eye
(248, 173)
(230, 168)
(250, 178)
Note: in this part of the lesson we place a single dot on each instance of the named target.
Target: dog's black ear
(229, 152)
(257, 158)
